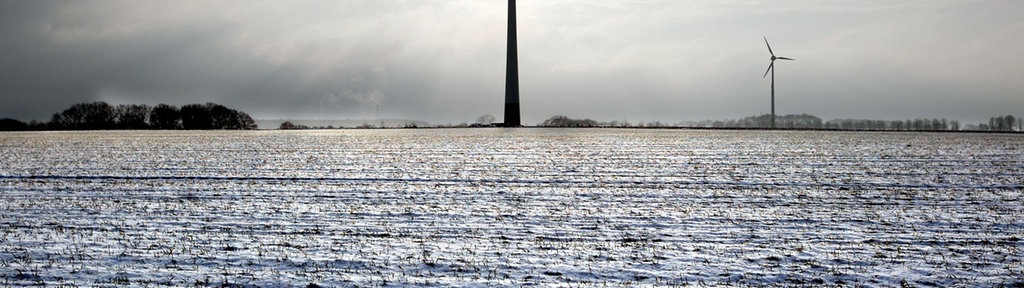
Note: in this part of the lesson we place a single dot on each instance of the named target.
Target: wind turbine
(771, 68)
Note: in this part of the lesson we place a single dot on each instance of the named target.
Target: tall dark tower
(512, 71)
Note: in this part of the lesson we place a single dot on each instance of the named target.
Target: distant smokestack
(512, 71)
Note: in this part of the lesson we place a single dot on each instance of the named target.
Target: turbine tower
(771, 68)
(512, 71)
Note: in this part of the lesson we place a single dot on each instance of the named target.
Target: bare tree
(132, 116)
(485, 119)
(165, 116)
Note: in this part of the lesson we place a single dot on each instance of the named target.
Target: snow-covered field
(499, 207)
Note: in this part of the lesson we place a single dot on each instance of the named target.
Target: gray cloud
(443, 60)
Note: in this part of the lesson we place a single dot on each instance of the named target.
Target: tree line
(562, 121)
(103, 116)
(1006, 123)
(806, 121)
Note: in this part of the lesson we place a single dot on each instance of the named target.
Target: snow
(510, 207)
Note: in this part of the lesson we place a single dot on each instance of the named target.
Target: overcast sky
(442, 61)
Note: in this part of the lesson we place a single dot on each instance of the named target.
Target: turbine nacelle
(772, 65)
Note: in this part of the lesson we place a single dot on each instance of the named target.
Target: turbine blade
(770, 66)
(784, 58)
(769, 46)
